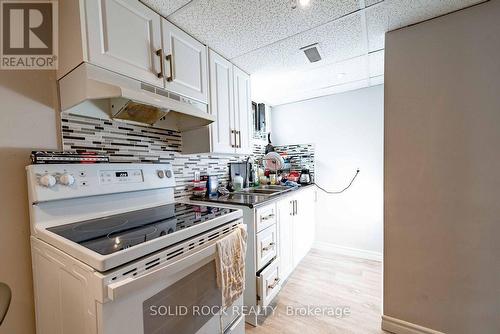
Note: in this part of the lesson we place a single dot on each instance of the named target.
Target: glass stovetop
(111, 234)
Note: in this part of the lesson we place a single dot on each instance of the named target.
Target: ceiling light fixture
(301, 3)
(304, 3)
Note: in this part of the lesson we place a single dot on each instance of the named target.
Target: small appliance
(305, 176)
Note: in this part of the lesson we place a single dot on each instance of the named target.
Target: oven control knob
(47, 180)
(168, 173)
(66, 179)
(161, 174)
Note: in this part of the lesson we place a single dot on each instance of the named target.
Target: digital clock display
(121, 174)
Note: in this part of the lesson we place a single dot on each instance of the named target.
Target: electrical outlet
(197, 176)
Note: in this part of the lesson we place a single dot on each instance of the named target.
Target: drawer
(266, 216)
(269, 283)
(232, 313)
(237, 327)
(267, 245)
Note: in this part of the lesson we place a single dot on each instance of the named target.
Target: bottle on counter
(238, 182)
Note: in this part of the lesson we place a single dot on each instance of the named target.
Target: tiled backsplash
(134, 143)
(125, 142)
(300, 155)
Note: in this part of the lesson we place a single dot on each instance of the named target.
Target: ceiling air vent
(312, 52)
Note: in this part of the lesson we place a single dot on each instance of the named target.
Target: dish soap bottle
(238, 182)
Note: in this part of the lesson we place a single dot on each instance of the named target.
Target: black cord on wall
(341, 191)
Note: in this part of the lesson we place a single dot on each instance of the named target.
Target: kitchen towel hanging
(230, 265)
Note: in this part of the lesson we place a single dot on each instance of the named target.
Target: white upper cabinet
(230, 103)
(186, 63)
(125, 36)
(242, 110)
(222, 104)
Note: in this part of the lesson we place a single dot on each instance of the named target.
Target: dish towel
(230, 265)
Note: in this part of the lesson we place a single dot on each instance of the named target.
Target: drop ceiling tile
(234, 28)
(376, 63)
(337, 40)
(274, 88)
(405, 12)
(377, 23)
(372, 2)
(165, 7)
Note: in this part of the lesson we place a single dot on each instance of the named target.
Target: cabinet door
(221, 104)
(285, 226)
(304, 223)
(124, 36)
(242, 111)
(186, 62)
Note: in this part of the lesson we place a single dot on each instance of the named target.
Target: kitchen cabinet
(242, 111)
(285, 226)
(186, 71)
(128, 38)
(303, 224)
(222, 104)
(296, 225)
(124, 36)
(230, 102)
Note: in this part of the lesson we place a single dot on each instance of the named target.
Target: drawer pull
(268, 247)
(275, 283)
(271, 216)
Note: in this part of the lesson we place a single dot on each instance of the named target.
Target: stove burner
(107, 235)
(86, 228)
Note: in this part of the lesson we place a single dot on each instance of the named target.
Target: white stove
(109, 241)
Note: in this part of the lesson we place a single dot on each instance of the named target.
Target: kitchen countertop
(248, 200)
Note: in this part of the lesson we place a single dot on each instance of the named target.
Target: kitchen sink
(266, 190)
(257, 191)
(274, 187)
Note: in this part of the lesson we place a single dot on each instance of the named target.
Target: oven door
(179, 297)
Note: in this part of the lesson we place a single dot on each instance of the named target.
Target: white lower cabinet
(280, 234)
(269, 283)
(303, 224)
(296, 224)
(267, 244)
(285, 218)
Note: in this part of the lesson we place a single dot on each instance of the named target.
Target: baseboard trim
(354, 252)
(397, 326)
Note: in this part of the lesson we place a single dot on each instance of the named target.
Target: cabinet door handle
(292, 211)
(295, 207)
(268, 247)
(239, 138)
(171, 67)
(160, 54)
(275, 283)
(233, 134)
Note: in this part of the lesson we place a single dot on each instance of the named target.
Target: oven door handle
(122, 288)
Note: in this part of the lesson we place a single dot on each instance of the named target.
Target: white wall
(347, 130)
(442, 163)
(28, 121)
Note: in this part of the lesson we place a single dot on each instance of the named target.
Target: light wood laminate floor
(324, 279)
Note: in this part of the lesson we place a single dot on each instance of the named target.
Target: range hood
(93, 91)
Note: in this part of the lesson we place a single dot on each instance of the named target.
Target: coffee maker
(305, 177)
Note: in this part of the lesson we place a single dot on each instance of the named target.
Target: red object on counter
(293, 176)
